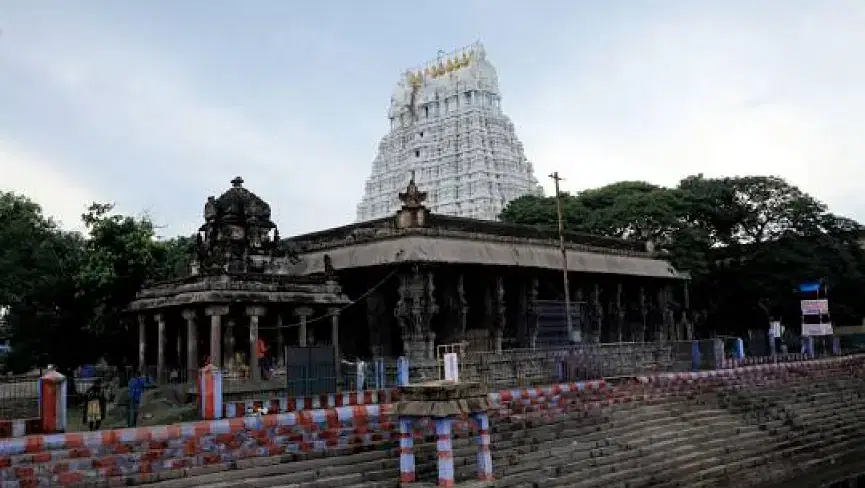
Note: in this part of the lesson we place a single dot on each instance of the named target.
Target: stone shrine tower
(447, 127)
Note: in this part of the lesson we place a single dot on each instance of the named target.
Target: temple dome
(238, 205)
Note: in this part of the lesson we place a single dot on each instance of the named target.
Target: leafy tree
(746, 241)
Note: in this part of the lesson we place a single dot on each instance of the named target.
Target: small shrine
(241, 281)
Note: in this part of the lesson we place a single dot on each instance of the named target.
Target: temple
(427, 279)
(240, 282)
(447, 126)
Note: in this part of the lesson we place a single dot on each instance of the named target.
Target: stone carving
(238, 234)
(597, 314)
(461, 139)
(376, 308)
(532, 315)
(644, 314)
(414, 311)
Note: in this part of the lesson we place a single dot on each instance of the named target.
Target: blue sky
(156, 105)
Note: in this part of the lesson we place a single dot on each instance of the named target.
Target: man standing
(136, 389)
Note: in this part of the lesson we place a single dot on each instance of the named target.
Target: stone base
(442, 399)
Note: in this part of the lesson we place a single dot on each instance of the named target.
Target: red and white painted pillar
(52, 402)
(210, 392)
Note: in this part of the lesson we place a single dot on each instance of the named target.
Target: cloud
(718, 93)
(191, 142)
(40, 178)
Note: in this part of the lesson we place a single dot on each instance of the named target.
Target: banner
(815, 307)
(816, 329)
(809, 287)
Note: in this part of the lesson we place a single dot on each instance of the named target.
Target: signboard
(815, 307)
(452, 367)
(775, 328)
(816, 329)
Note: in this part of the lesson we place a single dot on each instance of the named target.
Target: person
(94, 407)
(262, 358)
(136, 389)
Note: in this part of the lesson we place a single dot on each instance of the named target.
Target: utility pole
(556, 178)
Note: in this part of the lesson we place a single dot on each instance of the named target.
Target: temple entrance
(310, 370)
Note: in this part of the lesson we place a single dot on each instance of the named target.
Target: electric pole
(556, 178)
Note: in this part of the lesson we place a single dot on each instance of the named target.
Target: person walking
(94, 407)
(136, 389)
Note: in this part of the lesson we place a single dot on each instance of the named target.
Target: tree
(746, 241)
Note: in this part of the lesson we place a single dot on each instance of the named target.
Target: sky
(154, 106)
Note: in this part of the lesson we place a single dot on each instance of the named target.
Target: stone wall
(523, 420)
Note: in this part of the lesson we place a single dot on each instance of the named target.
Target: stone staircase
(763, 430)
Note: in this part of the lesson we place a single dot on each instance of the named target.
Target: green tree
(746, 241)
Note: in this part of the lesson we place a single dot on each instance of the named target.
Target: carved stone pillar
(522, 315)
(583, 312)
(462, 306)
(375, 315)
(334, 339)
(303, 313)
(229, 341)
(414, 311)
(190, 315)
(280, 341)
(501, 316)
(216, 312)
(254, 312)
(160, 347)
(597, 315)
(644, 314)
(142, 342)
(619, 311)
(532, 317)
(669, 316)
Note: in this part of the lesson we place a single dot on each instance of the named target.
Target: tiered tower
(447, 128)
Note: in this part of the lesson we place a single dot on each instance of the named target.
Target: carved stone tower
(447, 125)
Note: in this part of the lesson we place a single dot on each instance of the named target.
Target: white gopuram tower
(447, 128)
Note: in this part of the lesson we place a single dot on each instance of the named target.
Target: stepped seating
(751, 429)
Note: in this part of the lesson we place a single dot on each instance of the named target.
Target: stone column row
(216, 314)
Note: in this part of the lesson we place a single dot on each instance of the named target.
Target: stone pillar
(302, 314)
(191, 342)
(254, 313)
(216, 312)
(334, 339)
(444, 452)
(280, 341)
(228, 342)
(620, 313)
(532, 315)
(160, 348)
(142, 342)
(501, 313)
(52, 402)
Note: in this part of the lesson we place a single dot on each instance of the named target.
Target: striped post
(445, 452)
(379, 374)
(740, 348)
(485, 457)
(52, 402)
(695, 356)
(210, 392)
(406, 450)
(402, 371)
(360, 375)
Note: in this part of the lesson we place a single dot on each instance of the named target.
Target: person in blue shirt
(136, 389)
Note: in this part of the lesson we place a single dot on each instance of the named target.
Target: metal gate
(310, 370)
